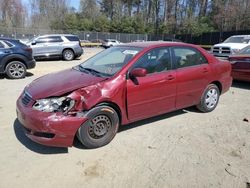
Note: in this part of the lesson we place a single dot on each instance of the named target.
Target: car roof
(50, 35)
(9, 39)
(151, 44)
(240, 36)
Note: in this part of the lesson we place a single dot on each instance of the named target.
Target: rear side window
(8, 44)
(72, 38)
(186, 57)
(1, 44)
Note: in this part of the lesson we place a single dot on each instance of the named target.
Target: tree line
(128, 16)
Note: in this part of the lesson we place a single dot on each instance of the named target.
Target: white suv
(230, 46)
(110, 42)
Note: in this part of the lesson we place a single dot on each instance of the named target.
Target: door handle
(170, 77)
(7, 51)
(205, 70)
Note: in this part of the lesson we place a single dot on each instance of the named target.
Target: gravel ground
(180, 149)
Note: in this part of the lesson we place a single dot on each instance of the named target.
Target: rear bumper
(31, 64)
(226, 84)
(51, 129)
(79, 52)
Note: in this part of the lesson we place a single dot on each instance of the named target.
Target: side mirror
(33, 43)
(138, 72)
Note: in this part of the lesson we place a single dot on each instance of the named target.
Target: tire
(15, 70)
(68, 55)
(209, 99)
(101, 127)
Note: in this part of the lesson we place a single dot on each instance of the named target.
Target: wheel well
(14, 59)
(115, 107)
(69, 49)
(218, 84)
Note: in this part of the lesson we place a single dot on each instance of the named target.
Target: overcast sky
(73, 3)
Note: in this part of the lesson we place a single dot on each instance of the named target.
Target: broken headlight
(60, 104)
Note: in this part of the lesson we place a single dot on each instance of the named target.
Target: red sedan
(241, 65)
(118, 86)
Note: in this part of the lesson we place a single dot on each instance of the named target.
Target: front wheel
(209, 99)
(15, 70)
(68, 55)
(101, 127)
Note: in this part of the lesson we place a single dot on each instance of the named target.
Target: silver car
(64, 46)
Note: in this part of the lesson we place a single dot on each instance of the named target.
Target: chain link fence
(25, 34)
(212, 38)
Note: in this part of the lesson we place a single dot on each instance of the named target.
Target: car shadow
(241, 84)
(35, 147)
(29, 74)
(38, 148)
(144, 122)
(4, 76)
(150, 120)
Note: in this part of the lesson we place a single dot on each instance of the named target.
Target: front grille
(221, 50)
(26, 98)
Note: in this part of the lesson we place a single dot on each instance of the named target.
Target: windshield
(237, 40)
(245, 50)
(110, 61)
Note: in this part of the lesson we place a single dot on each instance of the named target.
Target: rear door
(156, 92)
(55, 45)
(192, 73)
(4, 51)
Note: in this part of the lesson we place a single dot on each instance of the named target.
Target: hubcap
(211, 98)
(16, 70)
(100, 126)
(68, 55)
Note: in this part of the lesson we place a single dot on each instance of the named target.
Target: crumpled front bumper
(51, 129)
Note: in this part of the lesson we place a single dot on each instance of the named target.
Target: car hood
(240, 56)
(232, 45)
(59, 83)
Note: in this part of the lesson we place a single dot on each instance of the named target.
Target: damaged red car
(118, 86)
(241, 65)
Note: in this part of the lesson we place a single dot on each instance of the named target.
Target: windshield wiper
(93, 71)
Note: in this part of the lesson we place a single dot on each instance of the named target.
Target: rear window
(72, 38)
(1, 45)
(9, 44)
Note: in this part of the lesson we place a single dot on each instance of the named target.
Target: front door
(155, 93)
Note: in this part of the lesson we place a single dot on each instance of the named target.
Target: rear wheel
(209, 99)
(101, 127)
(15, 70)
(68, 55)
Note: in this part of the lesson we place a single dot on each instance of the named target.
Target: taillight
(28, 49)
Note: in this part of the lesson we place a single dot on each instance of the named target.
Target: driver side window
(156, 60)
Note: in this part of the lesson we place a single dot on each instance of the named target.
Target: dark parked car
(241, 65)
(15, 58)
(118, 86)
(65, 46)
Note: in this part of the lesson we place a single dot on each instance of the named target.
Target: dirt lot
(181, 149)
